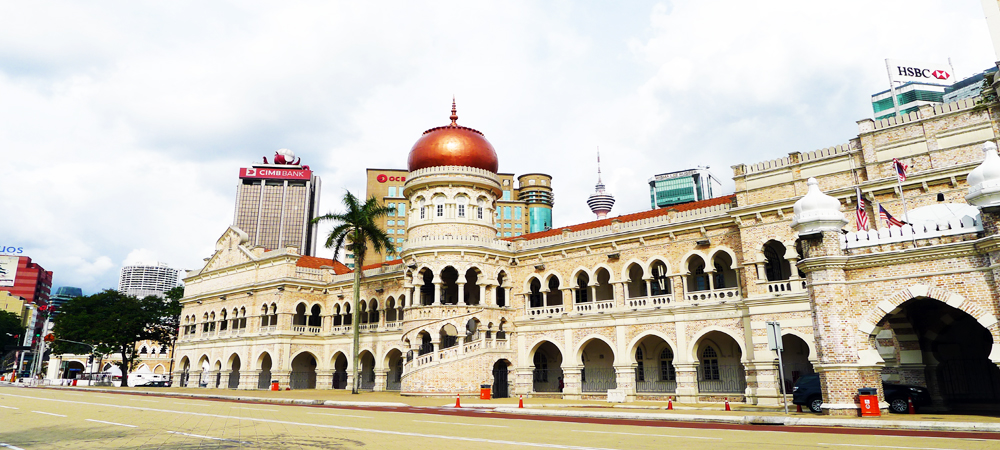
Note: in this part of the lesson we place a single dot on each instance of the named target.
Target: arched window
(582, 288)
(223, 322)
(300, 315)
(667, 372)
(710, 364)
(143, 350)
(661, 283)
(315, 320)
(776, 267)
(535, 294)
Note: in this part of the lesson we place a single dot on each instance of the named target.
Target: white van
(147, 379)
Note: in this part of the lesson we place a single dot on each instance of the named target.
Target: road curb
(769, 420)
(621, 415)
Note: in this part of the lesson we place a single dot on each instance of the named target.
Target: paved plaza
(60, 418)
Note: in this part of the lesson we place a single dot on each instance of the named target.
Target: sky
(123, 124)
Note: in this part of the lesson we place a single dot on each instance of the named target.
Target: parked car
(807, 393)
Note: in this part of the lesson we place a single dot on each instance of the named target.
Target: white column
(461, 293)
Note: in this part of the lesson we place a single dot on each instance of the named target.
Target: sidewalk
(741, 414)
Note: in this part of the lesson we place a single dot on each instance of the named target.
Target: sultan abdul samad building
(664, 303)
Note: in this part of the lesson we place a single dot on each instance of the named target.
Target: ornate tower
(600, 202)
(457, 317)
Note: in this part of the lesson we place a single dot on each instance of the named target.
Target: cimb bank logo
(251, 172)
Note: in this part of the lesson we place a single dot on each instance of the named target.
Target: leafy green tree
(10, 326)
(353, 230)
(114, 322)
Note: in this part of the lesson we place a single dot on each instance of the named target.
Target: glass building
(683, 186)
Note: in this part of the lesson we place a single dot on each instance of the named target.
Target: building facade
(142, 279)
(667, 303)
(26, 279)
(276, 202)
(672, 188)
(63, 295)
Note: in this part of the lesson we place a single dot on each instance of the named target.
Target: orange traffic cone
(909, 405)
(520, 401)
(727, 404)
(670, 403)
(798, 408)
(458, 400)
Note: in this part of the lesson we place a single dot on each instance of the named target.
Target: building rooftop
(629, 217)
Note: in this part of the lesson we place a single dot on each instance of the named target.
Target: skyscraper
(63, 295)
(276, 202)
(682, 186)
(141, 279)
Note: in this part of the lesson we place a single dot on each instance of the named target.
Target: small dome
(984, 181)
(817, 211)
(453, 145)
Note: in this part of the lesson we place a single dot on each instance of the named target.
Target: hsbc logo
(382, 178)
(917, 72)
(940, 74)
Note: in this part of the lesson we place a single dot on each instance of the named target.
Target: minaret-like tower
(600, 202)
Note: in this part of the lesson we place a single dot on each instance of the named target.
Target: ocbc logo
(382, 178)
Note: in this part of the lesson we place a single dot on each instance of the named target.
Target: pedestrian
(561, 384)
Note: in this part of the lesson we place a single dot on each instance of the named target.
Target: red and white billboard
(275, 174)
(925, 72)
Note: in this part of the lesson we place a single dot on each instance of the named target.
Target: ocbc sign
(382, 178)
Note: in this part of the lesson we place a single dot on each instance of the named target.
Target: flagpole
(903, 198)
(892, 88)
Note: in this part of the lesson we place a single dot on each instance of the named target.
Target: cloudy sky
(123, 124)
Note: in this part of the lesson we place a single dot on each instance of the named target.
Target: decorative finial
(454, 112)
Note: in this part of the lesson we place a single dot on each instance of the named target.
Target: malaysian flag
(862, 214)
(884, 215)
(900, 169)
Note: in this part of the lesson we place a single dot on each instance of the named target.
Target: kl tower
(600, 202)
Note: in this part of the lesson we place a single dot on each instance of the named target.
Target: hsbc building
(276, 202)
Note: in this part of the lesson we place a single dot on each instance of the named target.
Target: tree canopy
(113, 323)
(9, 324)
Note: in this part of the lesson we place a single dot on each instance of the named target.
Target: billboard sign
(8, 270)
(923, 72)
(269, 173)
(11, 250)
(382, 178)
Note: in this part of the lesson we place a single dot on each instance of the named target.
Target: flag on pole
(862, 214)
(900, 169)
(884, 215)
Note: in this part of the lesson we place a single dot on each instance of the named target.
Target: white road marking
(11, 447)
(332, 427)
(8, 407)
(467, 424)
(256, 409)
(48, 413)
(144, 400)
(112, 423)
(208, 437)
(648, 435)
(339, 415)
(887, 446)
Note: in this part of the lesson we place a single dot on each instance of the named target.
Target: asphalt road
(48, 419)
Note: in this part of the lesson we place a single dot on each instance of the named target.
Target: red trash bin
(274, 385)
(868, 397)
(74, 382)
(485, 393)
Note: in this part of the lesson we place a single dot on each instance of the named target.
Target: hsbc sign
(905, 71)
(278, 174)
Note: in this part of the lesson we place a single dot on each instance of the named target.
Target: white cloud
(124, 125)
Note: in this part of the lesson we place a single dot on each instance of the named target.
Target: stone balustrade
(714, 294)
(910, 232)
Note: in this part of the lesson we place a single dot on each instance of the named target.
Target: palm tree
(354, 229)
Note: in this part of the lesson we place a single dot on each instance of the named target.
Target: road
(53, 419)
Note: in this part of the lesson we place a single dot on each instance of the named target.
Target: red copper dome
(453, 145)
